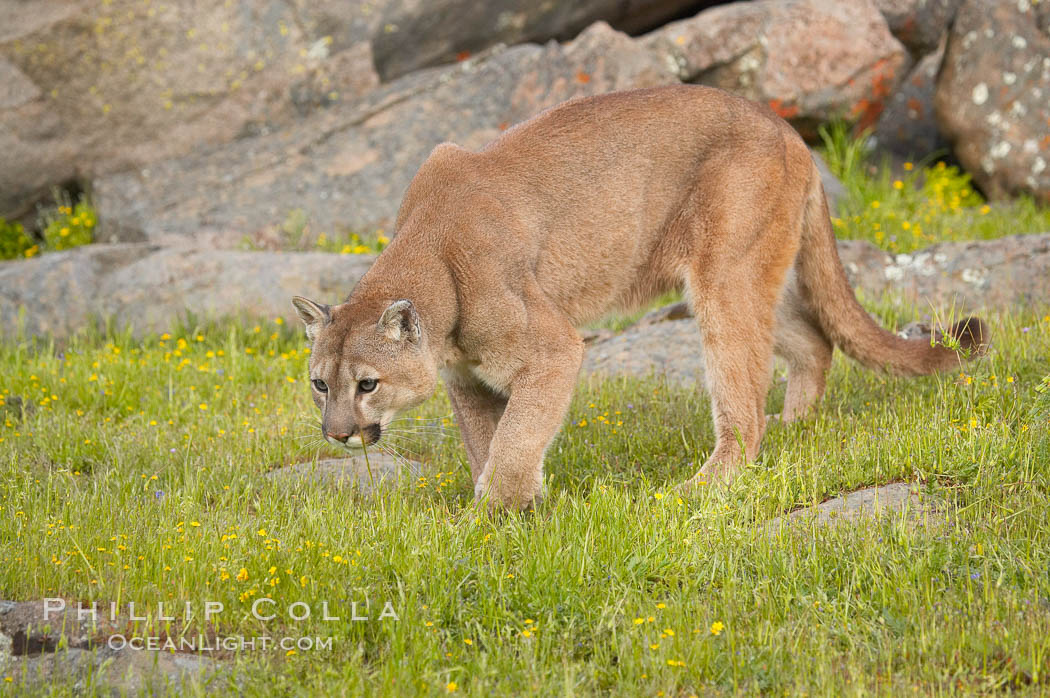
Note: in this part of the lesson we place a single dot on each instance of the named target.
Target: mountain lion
(597, 204)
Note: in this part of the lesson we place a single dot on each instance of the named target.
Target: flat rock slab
(149, 286)
(899, 499)
(668, 349)
(970, 275)
(115, 672)
(355, 471)
(38, 647)
(31, 628)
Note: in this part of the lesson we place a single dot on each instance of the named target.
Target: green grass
(61, 227)
(14, 242)
(137, 473)
(919, 204)
(296, 233)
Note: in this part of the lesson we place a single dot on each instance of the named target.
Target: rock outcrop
(89, 88)
(420, 33)
(112, 85)
(347, 167)
(993, 95)
(810, 60)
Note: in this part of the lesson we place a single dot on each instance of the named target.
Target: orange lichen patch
(784, 111)
(882, 82)
(915, 106)
(583, 78)
(462, 55)
(908, 28)
(866, 112)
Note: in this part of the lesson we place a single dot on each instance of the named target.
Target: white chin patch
(353, 444)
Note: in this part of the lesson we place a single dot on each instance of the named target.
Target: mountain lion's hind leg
(735, 281)
(737, 335)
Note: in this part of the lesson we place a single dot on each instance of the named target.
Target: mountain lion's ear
(401, 322)
(314, 315)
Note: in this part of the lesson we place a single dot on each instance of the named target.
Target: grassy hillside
(137, 473)
(916, 204)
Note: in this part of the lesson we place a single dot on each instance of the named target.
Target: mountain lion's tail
(845, 322)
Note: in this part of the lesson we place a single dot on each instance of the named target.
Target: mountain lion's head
(366, 366)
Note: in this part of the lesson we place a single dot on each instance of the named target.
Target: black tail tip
(973, 336)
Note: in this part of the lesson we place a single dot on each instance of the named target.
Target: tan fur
(598, 204)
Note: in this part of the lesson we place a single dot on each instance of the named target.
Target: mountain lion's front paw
(715, 474)
(509, 493)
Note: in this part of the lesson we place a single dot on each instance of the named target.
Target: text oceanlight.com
(229, 643)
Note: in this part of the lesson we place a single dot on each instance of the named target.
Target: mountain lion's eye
(320, 385)
(367, 385)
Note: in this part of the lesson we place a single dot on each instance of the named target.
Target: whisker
(430, 420)
(310, 447)
(419, 436)
(416, 431)
(396, 455)
(418, 427)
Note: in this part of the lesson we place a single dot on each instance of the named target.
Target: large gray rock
(106, 85)
(149, 287)
(993, 95)
(439, 31)
(90, 88)
(347, 167)
(810, 60)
